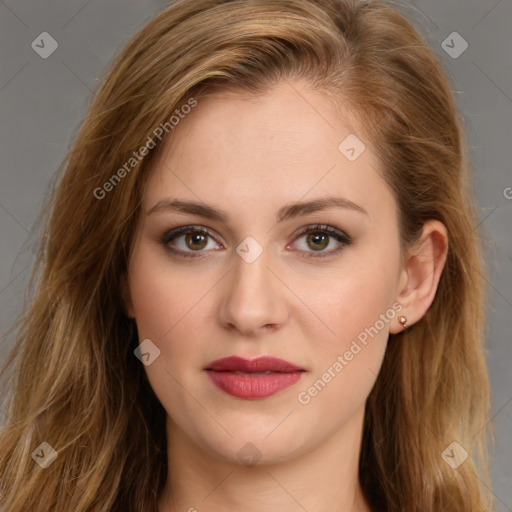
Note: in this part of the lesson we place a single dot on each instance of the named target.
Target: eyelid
(327, 228)
(341, 237)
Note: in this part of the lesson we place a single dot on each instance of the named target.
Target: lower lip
(250, 386)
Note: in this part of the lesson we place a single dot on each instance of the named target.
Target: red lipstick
(253, 378)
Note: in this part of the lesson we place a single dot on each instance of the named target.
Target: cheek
(360, 334)
(354, 298)
(168, 310)
(346, 367)
(161, 294)
(357, 311)
(160, 305)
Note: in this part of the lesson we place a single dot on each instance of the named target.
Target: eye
(195, 239)
(318, 237)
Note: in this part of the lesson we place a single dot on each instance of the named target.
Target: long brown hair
(74, 381)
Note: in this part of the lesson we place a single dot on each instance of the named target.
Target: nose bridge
(252, 299)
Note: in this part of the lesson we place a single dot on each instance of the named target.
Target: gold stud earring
(403, 321)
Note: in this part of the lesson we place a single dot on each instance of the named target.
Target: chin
(250, 446)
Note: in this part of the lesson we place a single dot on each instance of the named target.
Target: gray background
(43, 100)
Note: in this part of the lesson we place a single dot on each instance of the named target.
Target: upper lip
(260, 364)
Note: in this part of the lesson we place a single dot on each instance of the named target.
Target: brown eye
(192, 241)
(317, 238)
(321, 241)
(187, 241)
(196, 241)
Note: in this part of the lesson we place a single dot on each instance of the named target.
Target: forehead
(260, 151)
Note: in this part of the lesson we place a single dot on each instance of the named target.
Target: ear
(126, 297)
(421, 273)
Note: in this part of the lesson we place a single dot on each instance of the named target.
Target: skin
(251, 155)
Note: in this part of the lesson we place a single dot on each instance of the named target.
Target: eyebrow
(287, 212)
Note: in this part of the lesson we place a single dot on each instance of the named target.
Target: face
(250, 283)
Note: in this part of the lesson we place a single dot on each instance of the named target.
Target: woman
(260, 283)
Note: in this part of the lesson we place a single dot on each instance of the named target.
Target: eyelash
(342, 238)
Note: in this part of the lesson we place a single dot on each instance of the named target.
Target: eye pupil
(197, 238)
(317, 240)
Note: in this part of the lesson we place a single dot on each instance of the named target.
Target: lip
(245, 378)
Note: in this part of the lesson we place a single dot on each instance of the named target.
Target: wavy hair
(72, 379)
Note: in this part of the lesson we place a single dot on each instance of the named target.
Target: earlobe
(421, 274)
(126, 297)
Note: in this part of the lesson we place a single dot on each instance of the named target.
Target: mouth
(253, 378)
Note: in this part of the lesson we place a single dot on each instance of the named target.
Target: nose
(254, 297)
